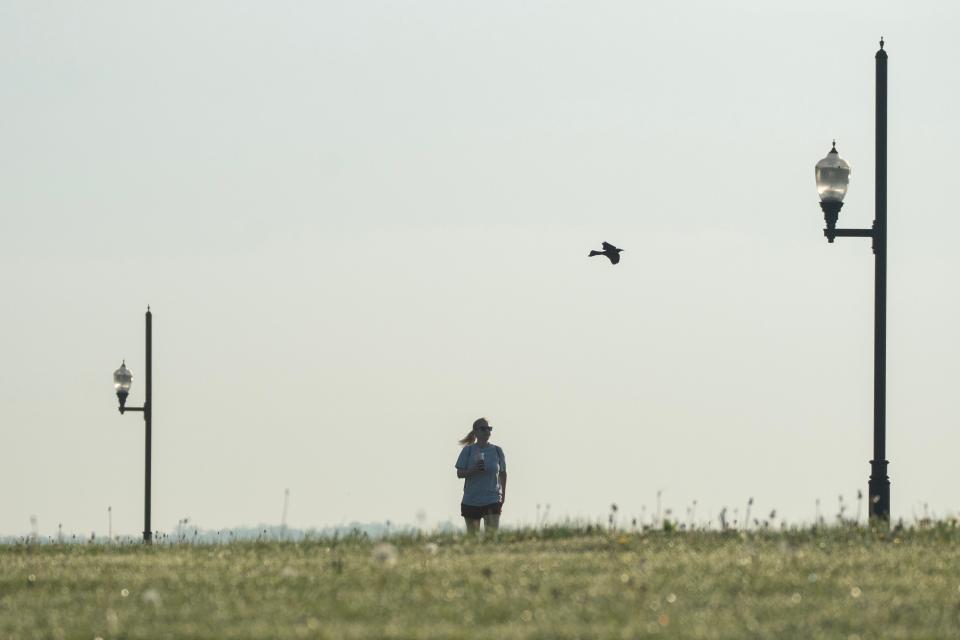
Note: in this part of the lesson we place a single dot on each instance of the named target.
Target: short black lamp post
(833, 174)
(122, 378)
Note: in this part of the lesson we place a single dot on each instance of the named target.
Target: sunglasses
(484, 428)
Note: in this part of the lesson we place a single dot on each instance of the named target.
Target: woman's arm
(503, 486)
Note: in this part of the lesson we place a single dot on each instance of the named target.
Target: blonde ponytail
(471, 437)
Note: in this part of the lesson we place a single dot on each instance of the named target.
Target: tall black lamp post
(121, 382)
(833, 174)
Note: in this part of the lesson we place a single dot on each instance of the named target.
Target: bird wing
(608, 247)
(614, 257)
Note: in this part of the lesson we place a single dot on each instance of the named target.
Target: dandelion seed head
(385, 553)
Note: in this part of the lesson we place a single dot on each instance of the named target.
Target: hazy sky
(361, 225)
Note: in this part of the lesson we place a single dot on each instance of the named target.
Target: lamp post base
(879, 492)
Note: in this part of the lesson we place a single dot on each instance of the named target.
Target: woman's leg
(472, 525)
(491, 522)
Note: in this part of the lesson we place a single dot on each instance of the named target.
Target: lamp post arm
(125, 409)
(847, 233)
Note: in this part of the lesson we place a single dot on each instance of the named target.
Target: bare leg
(491, 522)
(472, 525)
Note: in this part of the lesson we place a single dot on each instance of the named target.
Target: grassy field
(555, 583)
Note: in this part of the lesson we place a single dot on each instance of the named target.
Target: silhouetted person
(608, 250)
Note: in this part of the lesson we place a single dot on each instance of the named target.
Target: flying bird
(608, 250)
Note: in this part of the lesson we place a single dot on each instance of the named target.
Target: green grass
(558, 583)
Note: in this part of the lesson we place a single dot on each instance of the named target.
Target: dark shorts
(476, 513)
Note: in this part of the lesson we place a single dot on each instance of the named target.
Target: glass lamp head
(121, 382)
(833, 176)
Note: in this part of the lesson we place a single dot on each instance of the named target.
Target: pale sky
(361, 225)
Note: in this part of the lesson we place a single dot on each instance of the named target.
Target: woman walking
(484, 469)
